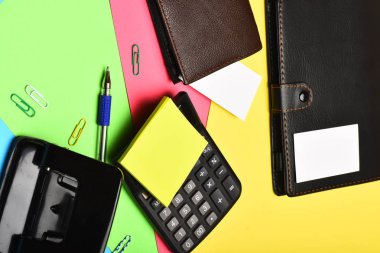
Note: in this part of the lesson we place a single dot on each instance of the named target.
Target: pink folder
(133, 25)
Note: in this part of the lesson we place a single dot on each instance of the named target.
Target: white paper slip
(233, 88)
(326, 153)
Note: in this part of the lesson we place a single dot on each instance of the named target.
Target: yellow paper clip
(135, 59)
(36, 96)
(77, 132)
(23, 106)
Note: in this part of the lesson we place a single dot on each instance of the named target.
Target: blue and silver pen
(104, 114)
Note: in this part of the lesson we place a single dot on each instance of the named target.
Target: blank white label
(326, 153)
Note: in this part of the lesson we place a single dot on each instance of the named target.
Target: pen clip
(77, 132)
(135, 59)
(22, 105)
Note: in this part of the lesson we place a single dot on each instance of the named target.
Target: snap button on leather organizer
(304, 96)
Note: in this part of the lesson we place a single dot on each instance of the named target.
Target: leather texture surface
(333, 46)
(207, 35)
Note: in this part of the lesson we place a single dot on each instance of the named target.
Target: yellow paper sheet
(164, 151)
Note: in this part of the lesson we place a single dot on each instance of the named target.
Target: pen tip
(108, 78)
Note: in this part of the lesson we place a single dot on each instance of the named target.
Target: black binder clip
(54, 200)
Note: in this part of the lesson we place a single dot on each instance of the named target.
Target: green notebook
(61, 48)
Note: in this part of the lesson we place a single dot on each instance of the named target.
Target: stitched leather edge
(338, 186)
(291, 86)
(282, 69)
(271, 55)
(206, 72)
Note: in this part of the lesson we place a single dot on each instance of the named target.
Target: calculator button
(173, 223)
(178, 199)
(164, 214)
(214, 161)
(199, 231)
(155, 204)
(221, 172)
(145, 195)
(202, 174)
(219, 200)
(185, 210)
(192, 221)
(231, 187)
(180, 234)
(198, 163)
(189, 187)
(186, 246)
(197, 197)
(205, 207)
(209, 185)
(207, 150)
(211, 218)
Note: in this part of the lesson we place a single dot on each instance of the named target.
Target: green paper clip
(23, 106)
(135, 59)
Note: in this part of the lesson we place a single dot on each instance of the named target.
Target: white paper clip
(36, 96)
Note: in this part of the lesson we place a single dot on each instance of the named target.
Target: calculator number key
(180, 234)
(173, 223)
(197, 197)
(164, 214)
(186, 246)
(219, 200)
(205, 207)
(178, 199)
(199, 231)
(192, 221)
(189, 187)
(185, 210)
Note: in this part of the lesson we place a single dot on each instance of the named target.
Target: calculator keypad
(205, 197)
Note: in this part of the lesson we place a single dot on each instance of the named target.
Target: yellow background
(340, 220)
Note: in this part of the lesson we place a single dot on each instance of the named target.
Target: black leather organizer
(324, 72)
(54, 200)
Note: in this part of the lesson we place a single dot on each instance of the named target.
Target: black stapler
(54, 200)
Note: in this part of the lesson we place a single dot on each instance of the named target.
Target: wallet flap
(206, 36)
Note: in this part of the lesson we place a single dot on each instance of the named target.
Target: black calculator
(206, 196)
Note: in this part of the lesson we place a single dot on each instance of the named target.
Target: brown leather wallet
(199, 37)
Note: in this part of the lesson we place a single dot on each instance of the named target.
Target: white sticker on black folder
(326, 153)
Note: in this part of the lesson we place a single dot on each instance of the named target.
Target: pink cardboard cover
(133, 25)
